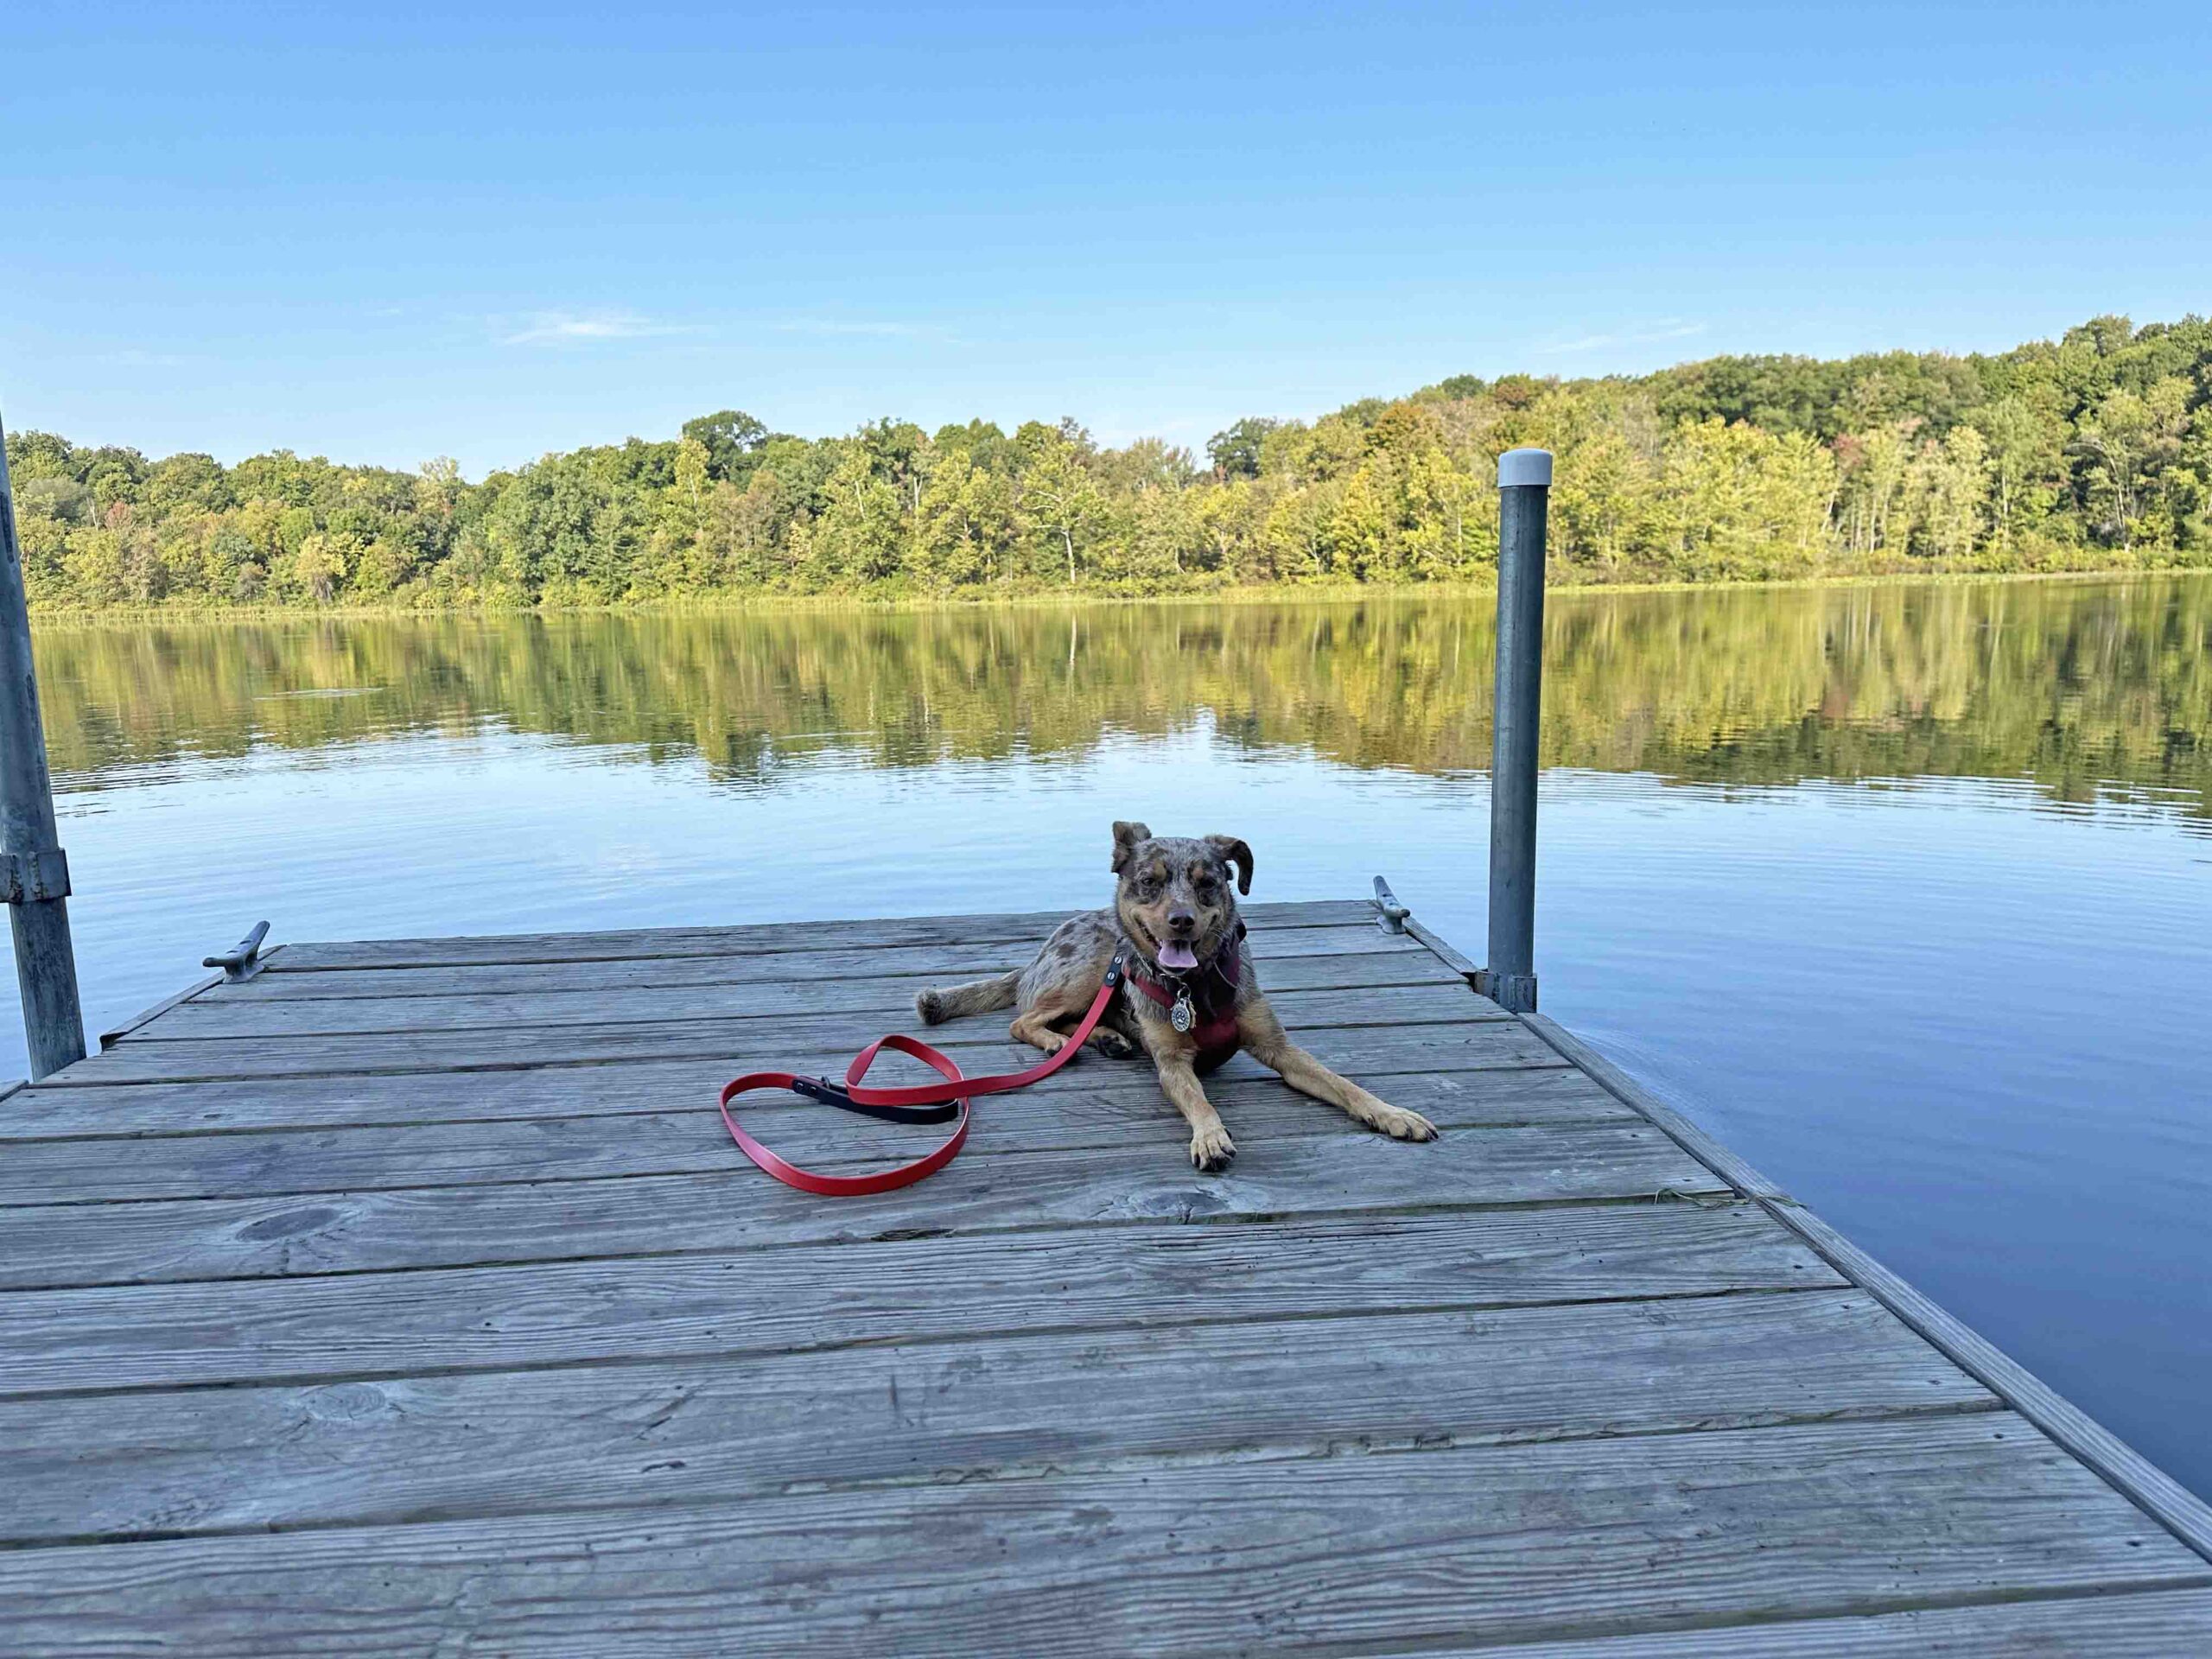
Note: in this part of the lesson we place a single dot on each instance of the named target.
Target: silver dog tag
(1183, 1016)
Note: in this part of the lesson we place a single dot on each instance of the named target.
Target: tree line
(2091, 452)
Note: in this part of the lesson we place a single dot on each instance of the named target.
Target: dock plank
(449, 1447)
(1279, 951)
(138, 1058)
(1521, 1541)
(43, 1245)
(1297, 983)
(756, 939)
(1128, 1112)
(831, 1293)
(2145, 1625)
(1519, 1078)
(408, 1297)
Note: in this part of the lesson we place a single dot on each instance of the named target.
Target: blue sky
(489, 232)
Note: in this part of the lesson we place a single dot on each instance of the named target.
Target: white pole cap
(1524, 466)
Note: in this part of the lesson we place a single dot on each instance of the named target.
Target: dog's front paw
(1401, 1124)
(1113, 1045)
(1211, 1149)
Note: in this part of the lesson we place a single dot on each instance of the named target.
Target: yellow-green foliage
(2094, 452)
(2078, 686)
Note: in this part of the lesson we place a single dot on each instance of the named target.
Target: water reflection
(2078, 686)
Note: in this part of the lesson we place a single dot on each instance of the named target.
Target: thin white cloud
(582, 328)
(131, 357)
(558, 327)
(1645, 334)
(837, 326)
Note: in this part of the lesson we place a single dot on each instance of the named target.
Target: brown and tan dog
(1192, 999)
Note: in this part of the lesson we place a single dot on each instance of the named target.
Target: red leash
(925, 1103)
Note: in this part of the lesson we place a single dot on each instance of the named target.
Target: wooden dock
(409, 1297)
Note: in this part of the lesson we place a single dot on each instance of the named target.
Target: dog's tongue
(1177, 955)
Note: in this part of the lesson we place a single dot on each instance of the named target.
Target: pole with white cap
(1524, 482)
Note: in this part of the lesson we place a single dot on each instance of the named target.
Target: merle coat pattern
(1175, 900)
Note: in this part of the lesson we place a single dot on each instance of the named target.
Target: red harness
(1213, 1002)
(1214, 1026)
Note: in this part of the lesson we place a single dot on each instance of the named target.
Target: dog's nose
(1181, 920)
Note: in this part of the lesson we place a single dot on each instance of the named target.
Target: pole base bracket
(26, 877)
(1514, 993)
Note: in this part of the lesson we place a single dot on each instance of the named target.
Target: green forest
(2094, 452)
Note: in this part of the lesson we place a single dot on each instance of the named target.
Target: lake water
(1906, 891)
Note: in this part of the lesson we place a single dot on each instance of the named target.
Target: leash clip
(822, 1089)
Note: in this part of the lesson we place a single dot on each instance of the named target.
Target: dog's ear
(1230, 850)
(1126, 839)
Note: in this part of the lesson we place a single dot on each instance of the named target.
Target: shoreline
(804, 604)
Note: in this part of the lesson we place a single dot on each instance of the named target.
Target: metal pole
(1524, 481)
(33, 871)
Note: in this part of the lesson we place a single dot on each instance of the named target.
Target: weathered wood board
(1307, 985)
(1293, 958)
(1124, 1112)
(757, 939)
(409, 1298)
(1150, 1179)
(361, 1451)
(1521, 1541)
(1406, 1012)
(738, 1301)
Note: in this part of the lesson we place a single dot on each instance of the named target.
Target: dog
(1190, 999)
